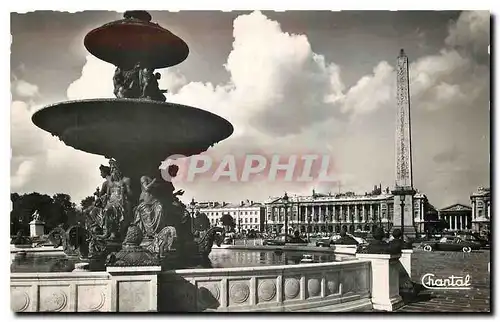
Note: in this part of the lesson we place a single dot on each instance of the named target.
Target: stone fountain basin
(125, 127)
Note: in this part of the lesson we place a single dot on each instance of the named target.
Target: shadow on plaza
(178, 295)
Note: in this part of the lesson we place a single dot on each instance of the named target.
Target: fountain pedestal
(136, 288)
(384, 281)
(37, 228)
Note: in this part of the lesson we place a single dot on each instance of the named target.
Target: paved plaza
(445, 264)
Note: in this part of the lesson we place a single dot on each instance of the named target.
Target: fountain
(136, 251)
(137, 218)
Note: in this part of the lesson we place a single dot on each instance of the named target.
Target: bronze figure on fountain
(138, 82)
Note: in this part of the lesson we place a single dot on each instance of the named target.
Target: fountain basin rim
(201, 271)
(124, 100)
(264, 268)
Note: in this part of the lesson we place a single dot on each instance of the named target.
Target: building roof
(226, 205)
(456, 207)
(330, 198)
(481, 191)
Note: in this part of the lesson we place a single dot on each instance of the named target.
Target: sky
(291, 83)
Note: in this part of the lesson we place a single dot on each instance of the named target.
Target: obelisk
(403, 191)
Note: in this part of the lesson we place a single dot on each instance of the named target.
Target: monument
(403, 191)
(137, 218)
(37, 226)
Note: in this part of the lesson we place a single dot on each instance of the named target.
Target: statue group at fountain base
(154, 232)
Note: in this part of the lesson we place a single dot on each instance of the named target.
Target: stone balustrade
(366, 282)
(335, 286)
(61, 292)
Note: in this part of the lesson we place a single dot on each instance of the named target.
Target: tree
(201, 222)
(23, 207)
(64, 211)
(87, 202)
(228, 222)
(53, 211)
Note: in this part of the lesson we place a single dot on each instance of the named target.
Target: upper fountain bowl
(136, 39)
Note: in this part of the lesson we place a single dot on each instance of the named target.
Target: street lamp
(402, 215)
(308, 226)
(285, 202)
(193, 206)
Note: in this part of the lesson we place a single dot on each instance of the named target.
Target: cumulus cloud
(24, 89)
(42, 163)
(372, 91)
(471, 34)
(95, 82)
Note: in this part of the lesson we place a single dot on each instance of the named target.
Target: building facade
(321, 213)
(481, 205)
(457, 217)
(247, 215)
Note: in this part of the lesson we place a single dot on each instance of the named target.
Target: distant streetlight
(192, 205)
(285, 202)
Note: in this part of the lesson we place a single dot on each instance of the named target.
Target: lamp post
(402, 215)
(193, 207)
(285, 202)
(308, 226)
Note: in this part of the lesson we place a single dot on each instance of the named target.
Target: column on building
(306, 218)
(422, 215)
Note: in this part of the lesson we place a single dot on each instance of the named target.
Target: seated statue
(398, 242)
(345, 239)
(379, 246)
(126, 82)
(118, 206)
(150, 214)
(149, 85)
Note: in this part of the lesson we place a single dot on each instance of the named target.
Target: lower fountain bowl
(112, 127)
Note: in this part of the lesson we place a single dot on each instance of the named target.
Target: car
(327, 241)
(474, 238)
(451, 243)
(280, 241)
